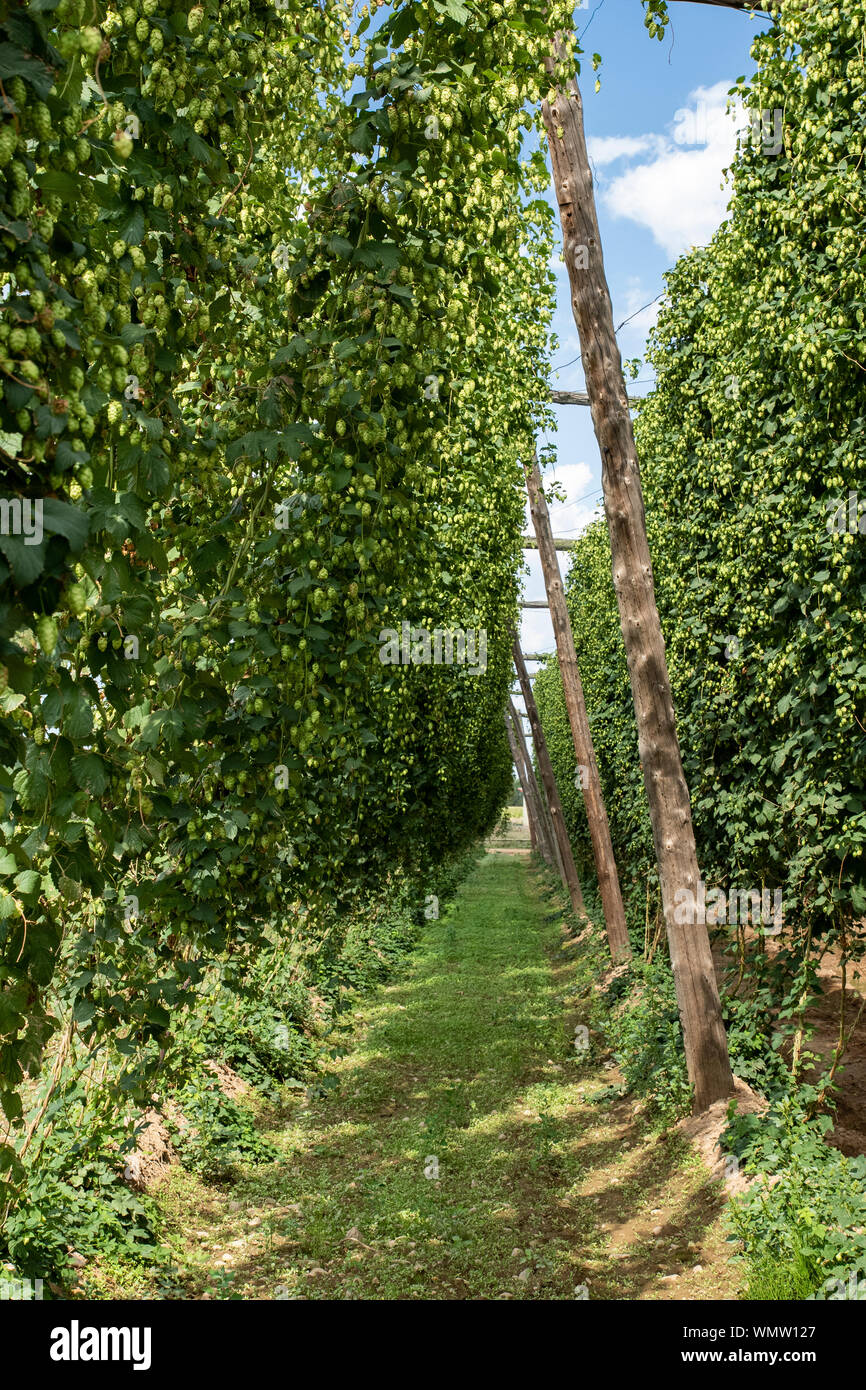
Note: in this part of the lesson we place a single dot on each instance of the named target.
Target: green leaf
(11, 443)
(63, 519)
(25, 561)
(454, 9)
(384, 254)
(8, 906)
(15, 63)
(90, 773)
(404, 23)
(131, 227)
(83, 1011)
(363, 137)
(132, 333)
(77, 719)
(56, 181)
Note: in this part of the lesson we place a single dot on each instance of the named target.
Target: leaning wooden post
(542, 801)
(524, 786)
(543, 809)
(569, 872)
(700, 1011)
(526, 774)
(533, 833)
(545, 817)
(531, 809)
(553, 838)
(575, 704)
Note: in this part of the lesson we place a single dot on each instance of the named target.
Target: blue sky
(659, 139)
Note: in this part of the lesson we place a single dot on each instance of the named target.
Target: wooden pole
(530, 791)
(531, 808)
(537, 828)
(700, 1011)
(547, 839)
(569, 872)
(575, 704)
(533, 833)
(546, 817)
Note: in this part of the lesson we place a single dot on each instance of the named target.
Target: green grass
(776, 1281)
(466, 1067)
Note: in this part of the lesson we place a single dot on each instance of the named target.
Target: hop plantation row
(751, 451)
(250, 288)
(274, 360)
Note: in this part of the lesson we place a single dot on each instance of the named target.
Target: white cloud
(606, 149)
(678, 193)
(706, 120)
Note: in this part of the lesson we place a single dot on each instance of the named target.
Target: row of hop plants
(751, 453)
(275, 306)
(91, 1216)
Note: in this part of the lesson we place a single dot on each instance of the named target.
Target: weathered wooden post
(700, 1011)
(569, 872)
(536, 830)
(575, 704)
(547, 836)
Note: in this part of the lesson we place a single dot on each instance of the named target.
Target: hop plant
(46, 634)
(76, 597)
(8, 144)
(90, 40)
(122, 142)
(41, 117)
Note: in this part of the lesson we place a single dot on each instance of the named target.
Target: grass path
(464, 1068)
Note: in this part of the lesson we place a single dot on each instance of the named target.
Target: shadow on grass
(453, 1156)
